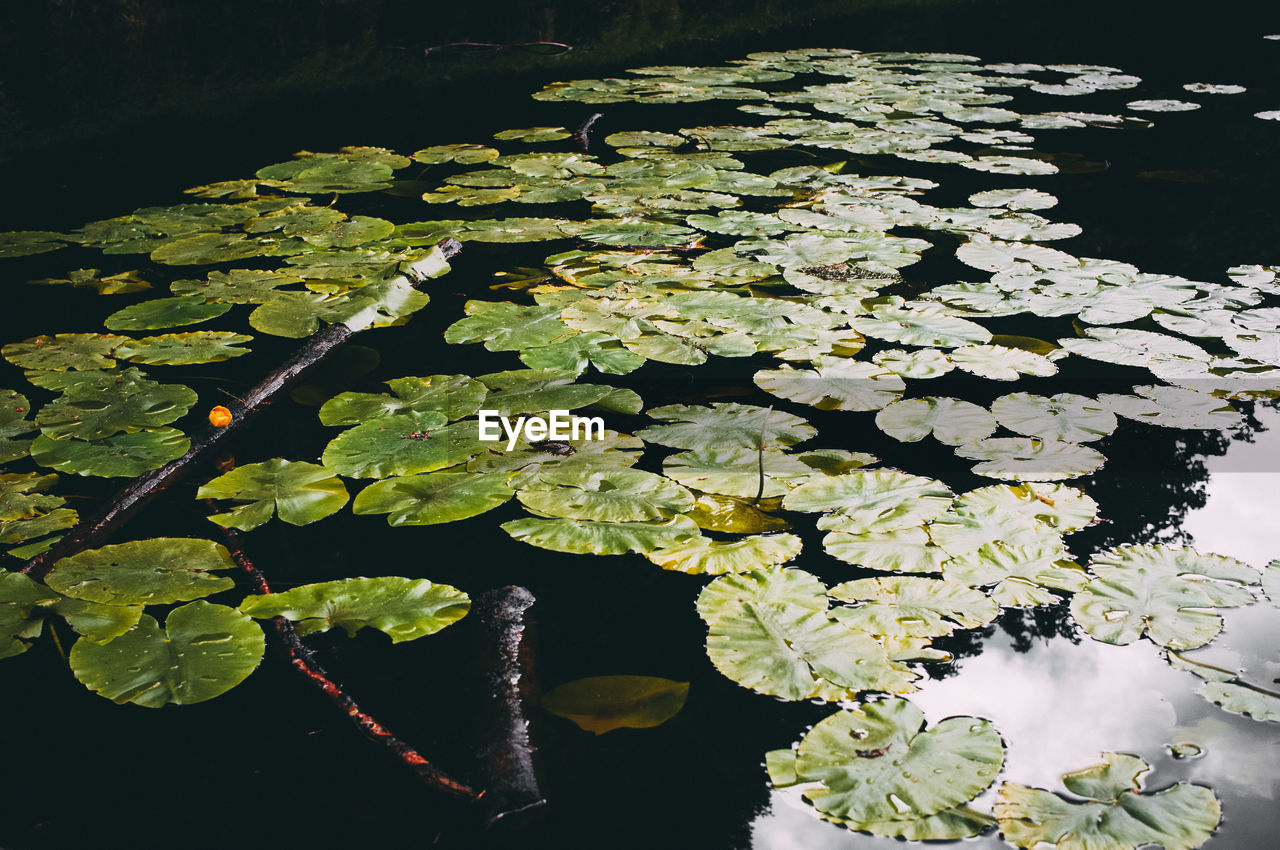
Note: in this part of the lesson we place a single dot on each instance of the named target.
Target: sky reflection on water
(1058, 705)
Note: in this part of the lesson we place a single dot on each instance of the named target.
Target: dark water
(271, 763)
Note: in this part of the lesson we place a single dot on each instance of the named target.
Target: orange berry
(219, 417)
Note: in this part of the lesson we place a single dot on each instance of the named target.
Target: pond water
(1191, 196)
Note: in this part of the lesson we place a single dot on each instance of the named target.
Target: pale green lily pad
(923, 363)
(905, 550)
(871, 500)
(730, 515)
(1115, 814)
(837, 383)
(1014, 199)
(402, 608)
(433, 498)
(898, 607)
(868, 760)
(533, 134)
(1028, 459)
(603, 703)
(118, 456)
(144, 572)
(769, 630)
(454, 396)
(1166, 593)
(203, 651)
(609, 495)
(951, 421)
(1020, 575)
(923, 324)
(299, 493)
(586, 537)
(1242, 699)
(184, 349)
(461, 154)
(725, 425)
(208, 248)
(22, 495)
(1001, 363)
(1066, 416)
(703, 556)
(746, 473)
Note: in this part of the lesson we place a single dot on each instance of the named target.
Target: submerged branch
(584, 132)
(140, 491)
(302, 660)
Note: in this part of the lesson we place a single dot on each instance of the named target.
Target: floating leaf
(433, 498)
(165, 313)
(601, 538)
(1066, 416)
(871, 501)
(118, 456)
(462, 154)
(725, 425)
(703, 556)
(1242, 699)
(143, 572)
(184, 349)
(1026, 459)
(837, 383)
(402, 608)
(64, 351)
(533, 134)
(404, 444)
(1167, 593)
(872, 761)
(508, 327)
(899, 607)
(603, 703)
(454, 396)
(906, 550)
(1116, 813)
(769, 630)
(1001, 363)
(204, 651)
(951, 421)
(610, 495)
(737, 472)
(299, 493)
(102, 406)
(24, 243)
(924, 324)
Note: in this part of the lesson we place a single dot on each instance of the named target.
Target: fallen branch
(505, 655)
(139, 492)
(304, 662)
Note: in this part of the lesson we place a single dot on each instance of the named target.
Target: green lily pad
(24, 243)
(144, 572)
(769, 630)
(906, 550)
(299, 493)
(117, 456)
(508, 327)
(1001, 363)
(208, 248)
(461, 154)
(921, 324)
(96, 410)
(19, 622)
(434, 497)
(64, 351)
(1242, 699)
(184, 349)
(165, 313)
(1115, 813)
(746, 473)
(238, 286)
(404, 444)
(897, 607)
(603, 703)
(454, 396)
(1167, 593)
(402, 608)
(204, 651)
(1027, 459)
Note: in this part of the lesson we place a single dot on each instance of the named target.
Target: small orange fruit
(219, 417)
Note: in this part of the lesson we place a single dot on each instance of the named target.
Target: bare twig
(139, 492)
(304, 662)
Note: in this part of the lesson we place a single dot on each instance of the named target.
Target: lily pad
(118, 456)
(402, 608)
(1066, 416)
(703, 556)
(454, 396)
(434, 497)
(871, 500)
(951, 421)
(299, 493)
(1115, 813)
(144, 572)
(404, 444)
(203, 651)
(837, 383)
(1167, 593)
(725, 425)
(603, 703)
(165, 313)
(1027, 459)
(64, 351)
(588, 537)
(770, 630)
(184, 349)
